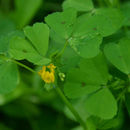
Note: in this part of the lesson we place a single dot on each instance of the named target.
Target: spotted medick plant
(84, 55)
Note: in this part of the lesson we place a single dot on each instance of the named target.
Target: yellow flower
(48, 76)
(51, 67)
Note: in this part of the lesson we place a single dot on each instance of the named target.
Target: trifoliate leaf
(91, 74)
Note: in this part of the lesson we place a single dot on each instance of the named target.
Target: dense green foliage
(89, 43)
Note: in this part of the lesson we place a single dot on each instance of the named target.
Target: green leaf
(119, 54)
(95, 69)
(21, 49)
(76, 90)
(104, 21)
(115, 123)
(125, 8)
(5, 39)
(87, 78)
(87, 34)
(62, 22)
(25, 11)
(38, 34)
(55, 44)
(8, 77)
(102, 104)
(86, 47)
(69, 59)
(79, 5)
(127, 101)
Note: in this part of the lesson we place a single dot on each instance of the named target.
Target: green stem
(71, 108)
(121, 95)
(16, 62)
(63, 49)
(24, 66)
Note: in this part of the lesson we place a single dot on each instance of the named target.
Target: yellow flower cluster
(48, 76)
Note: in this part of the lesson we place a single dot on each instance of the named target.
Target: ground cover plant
(65, 65)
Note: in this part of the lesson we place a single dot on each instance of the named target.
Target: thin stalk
(24, 66)
(16, 62)
(71, 108)
(121, 95)
(63, 49)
